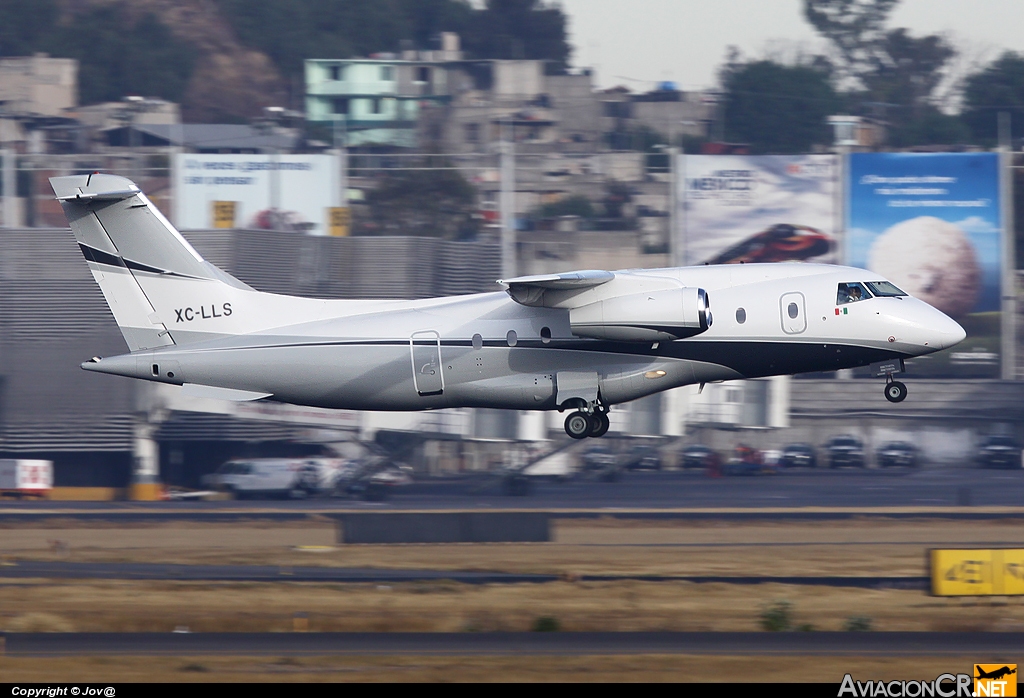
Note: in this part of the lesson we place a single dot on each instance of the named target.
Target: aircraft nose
(948, 332)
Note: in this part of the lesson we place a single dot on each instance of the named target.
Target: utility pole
(507, 203)
(341, 146)
(9, 188)
(1009, 295)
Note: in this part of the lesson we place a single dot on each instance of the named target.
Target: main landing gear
(581, 424)
(895, 391)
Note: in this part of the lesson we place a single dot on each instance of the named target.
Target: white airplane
(582, 341)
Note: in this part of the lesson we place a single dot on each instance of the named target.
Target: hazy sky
(638, 43)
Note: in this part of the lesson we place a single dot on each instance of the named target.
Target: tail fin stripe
(137, 266)
(101, 257)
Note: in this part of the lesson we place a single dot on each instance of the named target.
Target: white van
(269, 477)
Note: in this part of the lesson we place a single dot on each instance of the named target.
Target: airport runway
(991, 646)
(270, 573)
(958, 489)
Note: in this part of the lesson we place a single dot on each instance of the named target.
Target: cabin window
(156, 369)
(793, 310)
(741, 315)
(512, 338)
(478, 342)
(851, 293)
(545, 334)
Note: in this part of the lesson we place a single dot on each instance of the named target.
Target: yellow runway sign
(977, 572)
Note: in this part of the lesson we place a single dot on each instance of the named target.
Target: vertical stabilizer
(130, 247)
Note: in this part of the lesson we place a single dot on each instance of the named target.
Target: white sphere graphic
(930, 259)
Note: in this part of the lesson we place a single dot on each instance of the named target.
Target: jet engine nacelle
(651, 316)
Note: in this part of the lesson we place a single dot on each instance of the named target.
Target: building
(36, 93)
(377, 100)
(142, 112)
(200, 138)
(38, 85)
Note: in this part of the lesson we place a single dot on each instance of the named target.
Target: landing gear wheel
(578, 425)
(601, 424)
(895, 391)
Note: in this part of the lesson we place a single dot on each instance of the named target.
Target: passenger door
(426, 362)
(794, 313)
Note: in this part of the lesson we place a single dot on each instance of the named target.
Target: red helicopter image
(782, 242)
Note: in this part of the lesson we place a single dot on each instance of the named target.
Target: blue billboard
(932, 224)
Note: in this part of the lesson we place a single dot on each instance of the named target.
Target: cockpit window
(851, 293)
(884, 288)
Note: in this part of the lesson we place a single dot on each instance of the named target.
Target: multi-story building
(38, 85)
(377, 100)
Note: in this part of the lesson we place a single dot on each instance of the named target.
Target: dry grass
(446, 669)
(615, 547)
(855, 547)
(141, 606)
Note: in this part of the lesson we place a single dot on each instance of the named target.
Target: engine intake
(645, 317)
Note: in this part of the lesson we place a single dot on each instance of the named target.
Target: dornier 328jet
(580, 341)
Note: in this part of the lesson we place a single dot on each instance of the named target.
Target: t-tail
(160, 290)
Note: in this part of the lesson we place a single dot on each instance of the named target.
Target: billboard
(932, 224)
(278, 192)
(758, 208)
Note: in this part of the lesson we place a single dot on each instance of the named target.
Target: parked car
(696, 456)
(999, 452)
(798, 455)
(643, 457)
(845, 450)
(898, 453)
(599, 459)
(746, 461)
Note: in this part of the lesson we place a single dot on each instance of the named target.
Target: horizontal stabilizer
(99, 195)
(213, 393)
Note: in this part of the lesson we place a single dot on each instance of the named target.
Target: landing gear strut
(895, 391)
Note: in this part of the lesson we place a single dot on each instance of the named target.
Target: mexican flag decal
(845, 311)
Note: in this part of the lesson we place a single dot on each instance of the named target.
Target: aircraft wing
(529, 290)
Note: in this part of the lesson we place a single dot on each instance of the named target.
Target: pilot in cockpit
(850, 293)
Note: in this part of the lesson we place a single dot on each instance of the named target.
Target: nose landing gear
(895, 391)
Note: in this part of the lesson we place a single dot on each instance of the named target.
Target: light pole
(132, 106)
(268, 125)
(507, 202)
(9, 190)
(674, 235)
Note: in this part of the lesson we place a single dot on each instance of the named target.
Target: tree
(519, 29)
(999, 87)
(854, 27)
(928, 126)
(24, 25)
(907, 69)
(887, 73)
(428, 203)
(576, 205)
(118, 57)
(778, 108)
(118, 54)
